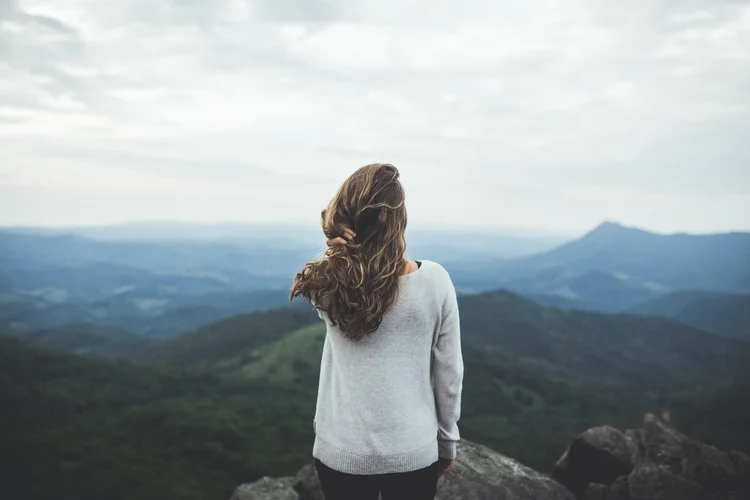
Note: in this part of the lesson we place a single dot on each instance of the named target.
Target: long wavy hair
(357, 283)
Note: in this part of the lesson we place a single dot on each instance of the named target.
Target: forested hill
(724, 313)
(581, 347)
(234, 400)
(77, 428)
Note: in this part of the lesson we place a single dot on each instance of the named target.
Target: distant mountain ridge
(72, 279)
(161, 280)
(614, 267)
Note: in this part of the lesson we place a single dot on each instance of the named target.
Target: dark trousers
(417, 485)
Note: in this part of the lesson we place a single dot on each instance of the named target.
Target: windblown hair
(357, 283)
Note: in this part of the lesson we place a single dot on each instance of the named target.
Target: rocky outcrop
(599, 455)
(652, 463)
(479, 474)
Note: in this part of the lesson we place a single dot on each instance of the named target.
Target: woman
(389, 397)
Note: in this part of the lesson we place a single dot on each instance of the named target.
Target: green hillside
(91, 339)
(226, 339)
(534, 374)
(504, 401)
(188, 426)
(621, 354)
(87, 429)
(294, 359)
(725, 313)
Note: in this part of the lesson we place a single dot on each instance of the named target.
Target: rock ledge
(655, 462)
(480, 474)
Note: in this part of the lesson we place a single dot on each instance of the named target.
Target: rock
(651, 482)
(267, 489)
(709, 466)
(666, 465)
(596, 491)
(599, 455)
(479, 474)
(632, 440)
(741, 463)
(307, 484)
(655, 462)
(619, 490)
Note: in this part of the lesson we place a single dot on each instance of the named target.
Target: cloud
(529, 114)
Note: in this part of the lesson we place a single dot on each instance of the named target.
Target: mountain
(613, 268)
(160, 280)
(158, 289)
(156, 310)
(600, 349)
(712, 261)
(240, 233)
(248, 265)
(440, 244)
(724, 313)
(618, 366)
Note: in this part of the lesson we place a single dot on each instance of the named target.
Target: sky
(547, 115)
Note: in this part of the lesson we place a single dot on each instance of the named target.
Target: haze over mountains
(161, 280)
(613, 268)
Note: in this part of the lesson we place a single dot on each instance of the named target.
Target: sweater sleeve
(447, 374)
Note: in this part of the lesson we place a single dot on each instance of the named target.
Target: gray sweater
(391, 401)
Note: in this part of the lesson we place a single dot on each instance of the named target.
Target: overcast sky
(556, 114)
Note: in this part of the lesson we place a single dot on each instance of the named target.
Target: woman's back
(376, 410)
(391, 375)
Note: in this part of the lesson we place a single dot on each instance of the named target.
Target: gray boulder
(479, 474)
(663, 465)
(483, 474)
(599, 455)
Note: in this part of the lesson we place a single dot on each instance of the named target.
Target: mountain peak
(610, 229)
(610, 226)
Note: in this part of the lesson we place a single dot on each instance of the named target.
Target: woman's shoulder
(435, 271)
